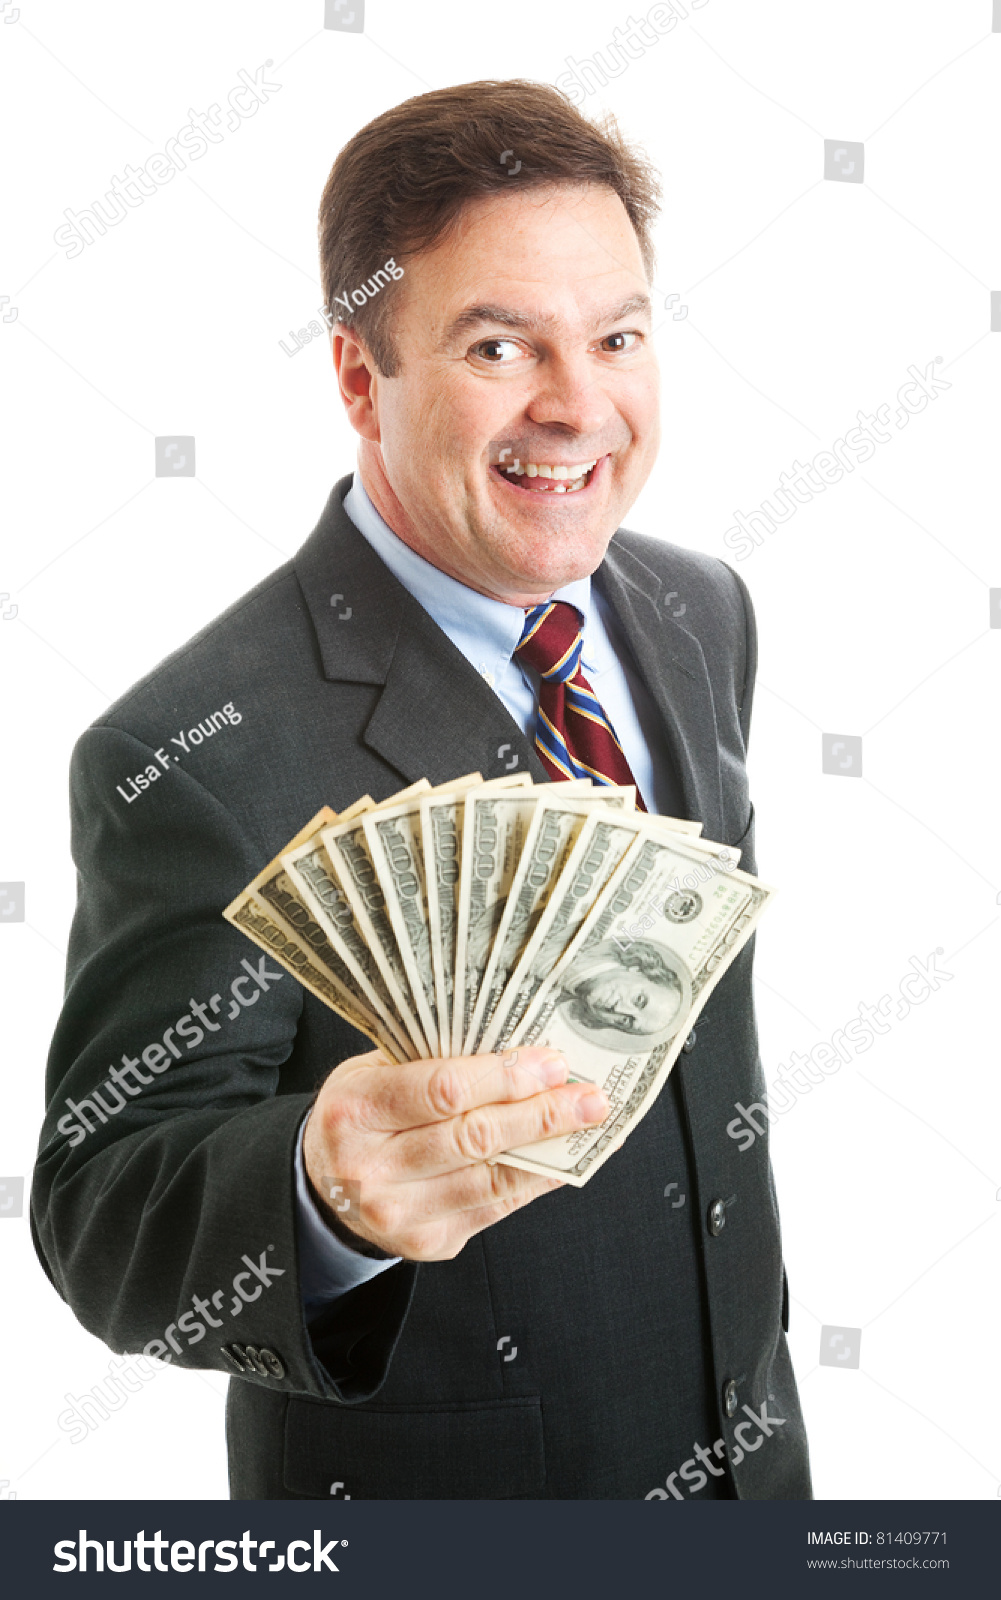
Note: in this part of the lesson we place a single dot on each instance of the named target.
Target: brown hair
(398, 186)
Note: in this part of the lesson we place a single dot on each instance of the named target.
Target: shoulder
(239, 648)
(265, 640)
(707, 592)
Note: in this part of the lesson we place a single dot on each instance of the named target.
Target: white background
(807, 300)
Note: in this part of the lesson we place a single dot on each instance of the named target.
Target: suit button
(730, 1398)
(248, 1358)
(274, 1363)
(717, 1218)
(689, 1044)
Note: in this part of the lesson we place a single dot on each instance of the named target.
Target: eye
(640, 999)
(493, 351)
(615, 343)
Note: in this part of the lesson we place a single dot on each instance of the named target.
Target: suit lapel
(673, 668)
(436, 717)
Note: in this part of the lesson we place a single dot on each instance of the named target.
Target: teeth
(567, 480)
(536, 469)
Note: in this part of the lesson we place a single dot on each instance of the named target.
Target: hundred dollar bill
(393, 837)
(254, 918)
(623, 996)
(271, 913)
(494, 827)
(555, 824)
(679, 825)
(347, 850)
(441, 838)
(318, 886)
(600, 846)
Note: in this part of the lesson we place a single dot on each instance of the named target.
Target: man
(272, 1197)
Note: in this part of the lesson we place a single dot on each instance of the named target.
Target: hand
(410, 1145)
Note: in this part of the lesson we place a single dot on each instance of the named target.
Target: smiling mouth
(540, 477)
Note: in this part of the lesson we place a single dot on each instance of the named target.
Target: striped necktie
(573, 736)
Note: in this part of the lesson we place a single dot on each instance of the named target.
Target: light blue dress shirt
(487, 632)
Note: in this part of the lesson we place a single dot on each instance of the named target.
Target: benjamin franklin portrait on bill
(637, 990)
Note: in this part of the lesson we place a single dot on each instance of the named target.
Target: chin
(556, 556)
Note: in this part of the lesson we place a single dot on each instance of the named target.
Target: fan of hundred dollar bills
(477, 917)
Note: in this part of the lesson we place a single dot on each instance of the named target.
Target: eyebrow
(474, 316)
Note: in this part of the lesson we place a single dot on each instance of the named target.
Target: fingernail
(592, 1107)
(553, 1071)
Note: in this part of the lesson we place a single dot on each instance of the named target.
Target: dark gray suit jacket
(634, 1324)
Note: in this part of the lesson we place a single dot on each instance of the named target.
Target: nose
(569, 397)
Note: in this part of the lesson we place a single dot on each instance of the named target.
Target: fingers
(416, 1142)
(469, 1189)
(432, 1221)
(390, 1098)
(477, 1135)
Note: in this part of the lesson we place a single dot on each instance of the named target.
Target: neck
(377, 487)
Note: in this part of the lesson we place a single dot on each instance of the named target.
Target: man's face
(530, 324)
(628, 1002)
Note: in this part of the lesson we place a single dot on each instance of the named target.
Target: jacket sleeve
(750, 655)
(163, 1205)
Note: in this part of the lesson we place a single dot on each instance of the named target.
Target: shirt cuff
(327, 1268)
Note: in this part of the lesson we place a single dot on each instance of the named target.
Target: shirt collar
(486, 631)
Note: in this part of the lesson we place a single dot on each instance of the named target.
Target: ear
(356, 380)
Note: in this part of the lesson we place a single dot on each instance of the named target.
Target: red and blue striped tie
(573, 736)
